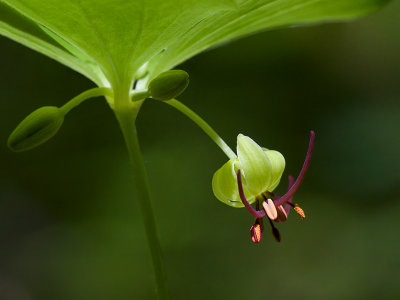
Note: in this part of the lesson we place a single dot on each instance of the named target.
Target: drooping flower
(261, 170)
(251, 177)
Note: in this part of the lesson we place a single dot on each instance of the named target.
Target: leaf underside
(109, 40)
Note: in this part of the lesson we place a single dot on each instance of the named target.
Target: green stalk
(92, 93)
(203, 125)
(126, 112)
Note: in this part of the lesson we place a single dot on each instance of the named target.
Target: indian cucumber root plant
(127, 48)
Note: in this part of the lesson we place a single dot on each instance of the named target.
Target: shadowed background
(69, 222)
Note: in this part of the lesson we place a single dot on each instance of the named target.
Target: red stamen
(282, 215)
(270, 209)
(299, 211)
(255, 233)
(275, 232)
(259, 220)
(287, 204)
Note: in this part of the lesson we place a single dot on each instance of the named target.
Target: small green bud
(168, 85)
(36, 128)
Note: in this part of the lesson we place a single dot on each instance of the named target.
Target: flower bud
(168, 85)
(36, 128)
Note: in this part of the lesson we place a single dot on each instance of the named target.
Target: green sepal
(168, 85)
(255, 164)
(36, 128)
(225, 186)
(277, 167)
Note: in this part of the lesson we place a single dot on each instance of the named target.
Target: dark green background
(69, 222)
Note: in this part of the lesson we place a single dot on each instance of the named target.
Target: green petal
(277, 167)
(255, 165)
(224, 184)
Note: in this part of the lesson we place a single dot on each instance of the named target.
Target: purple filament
(302, 173)
(250, 209)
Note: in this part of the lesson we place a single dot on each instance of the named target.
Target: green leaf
(121, 35)
(25, 31)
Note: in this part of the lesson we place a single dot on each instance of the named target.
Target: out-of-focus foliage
(69, 223)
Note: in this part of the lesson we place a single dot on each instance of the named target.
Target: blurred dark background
(69, 222)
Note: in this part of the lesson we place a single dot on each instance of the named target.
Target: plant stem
(126, 117)
(95, 92)
(137, 96)
(203, 125)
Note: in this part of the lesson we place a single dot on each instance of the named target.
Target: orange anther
(299, 211)
(255, 233)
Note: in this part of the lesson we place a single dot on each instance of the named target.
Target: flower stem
(126, 118)
(203, 125)
(92, 93)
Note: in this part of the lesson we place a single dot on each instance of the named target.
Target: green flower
(251, 177)
(261, 171)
